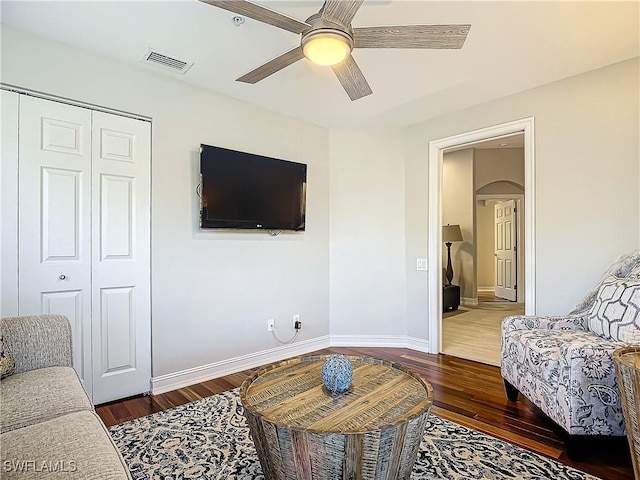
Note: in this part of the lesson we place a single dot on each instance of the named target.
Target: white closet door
(55, 218)
(121, 309)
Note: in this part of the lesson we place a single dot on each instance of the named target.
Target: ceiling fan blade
(411, 36)
(340, 11)
(352, 79)
(261, 14)
(272, 66)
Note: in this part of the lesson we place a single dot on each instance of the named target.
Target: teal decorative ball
(337, 373)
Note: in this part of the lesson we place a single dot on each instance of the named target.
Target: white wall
(495, 164)
(9, 198)
(458, 209)
(485, 244)
(212, 292)
(368, 283)
(587, 166)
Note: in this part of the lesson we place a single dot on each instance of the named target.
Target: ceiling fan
(327, 38)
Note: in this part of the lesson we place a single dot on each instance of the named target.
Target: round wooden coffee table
(301, 431)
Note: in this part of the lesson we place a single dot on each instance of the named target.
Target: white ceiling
(512, 46)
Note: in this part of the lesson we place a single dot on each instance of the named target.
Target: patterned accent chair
(564, 364)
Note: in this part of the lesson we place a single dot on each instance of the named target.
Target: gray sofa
(48, 427)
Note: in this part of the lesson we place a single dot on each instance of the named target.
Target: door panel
(70, 304)
(63, 137)
(505, 250)
(54, 219)
(117, 202)
(118, 330)
(121, 264)
(60, 210)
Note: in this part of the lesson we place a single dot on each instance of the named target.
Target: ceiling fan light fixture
(326, 46)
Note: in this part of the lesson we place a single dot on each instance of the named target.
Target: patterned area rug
(209, 439)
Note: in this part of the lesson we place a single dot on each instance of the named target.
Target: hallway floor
(473, 331)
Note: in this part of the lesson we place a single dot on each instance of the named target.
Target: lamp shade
(451, 233)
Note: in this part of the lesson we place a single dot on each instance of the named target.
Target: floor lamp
(450, 234)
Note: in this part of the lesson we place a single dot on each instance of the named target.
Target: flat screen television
(248, 191)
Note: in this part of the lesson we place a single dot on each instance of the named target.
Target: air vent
(167, 62)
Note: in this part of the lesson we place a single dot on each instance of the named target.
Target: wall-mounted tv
(247, 191)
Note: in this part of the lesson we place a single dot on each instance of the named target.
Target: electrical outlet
(271, 325)
(297, 324)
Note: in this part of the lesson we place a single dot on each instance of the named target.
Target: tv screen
(243, 190)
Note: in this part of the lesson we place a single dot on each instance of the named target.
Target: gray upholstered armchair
(564, 364)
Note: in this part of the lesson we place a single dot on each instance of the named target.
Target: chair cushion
(538, 351)
(38, 395)
(615, 315)
(73, 446)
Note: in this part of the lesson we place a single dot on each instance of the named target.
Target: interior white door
(505, 250)
(54, 272)
(121, 310)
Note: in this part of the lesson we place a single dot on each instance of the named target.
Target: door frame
(434, 253)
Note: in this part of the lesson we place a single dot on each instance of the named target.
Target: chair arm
(38, 341)
(588, 395)
(530, 322)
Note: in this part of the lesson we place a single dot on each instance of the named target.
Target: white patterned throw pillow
(615, 315)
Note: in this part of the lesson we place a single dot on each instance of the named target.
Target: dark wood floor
(465, 392)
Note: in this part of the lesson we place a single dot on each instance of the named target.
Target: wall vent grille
(167, 62)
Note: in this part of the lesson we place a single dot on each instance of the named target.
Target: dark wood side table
(450, 297)
(303, 432)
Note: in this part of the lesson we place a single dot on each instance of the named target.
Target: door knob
(62, 277)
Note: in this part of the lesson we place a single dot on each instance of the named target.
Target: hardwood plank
(466, 392)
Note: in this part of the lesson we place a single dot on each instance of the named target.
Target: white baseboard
(487, 289)
(175, 380)
(419, 344)
(393, 341)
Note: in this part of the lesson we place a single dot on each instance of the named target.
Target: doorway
(437, 149)
(483, 192)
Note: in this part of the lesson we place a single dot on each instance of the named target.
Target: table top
(291, 393)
